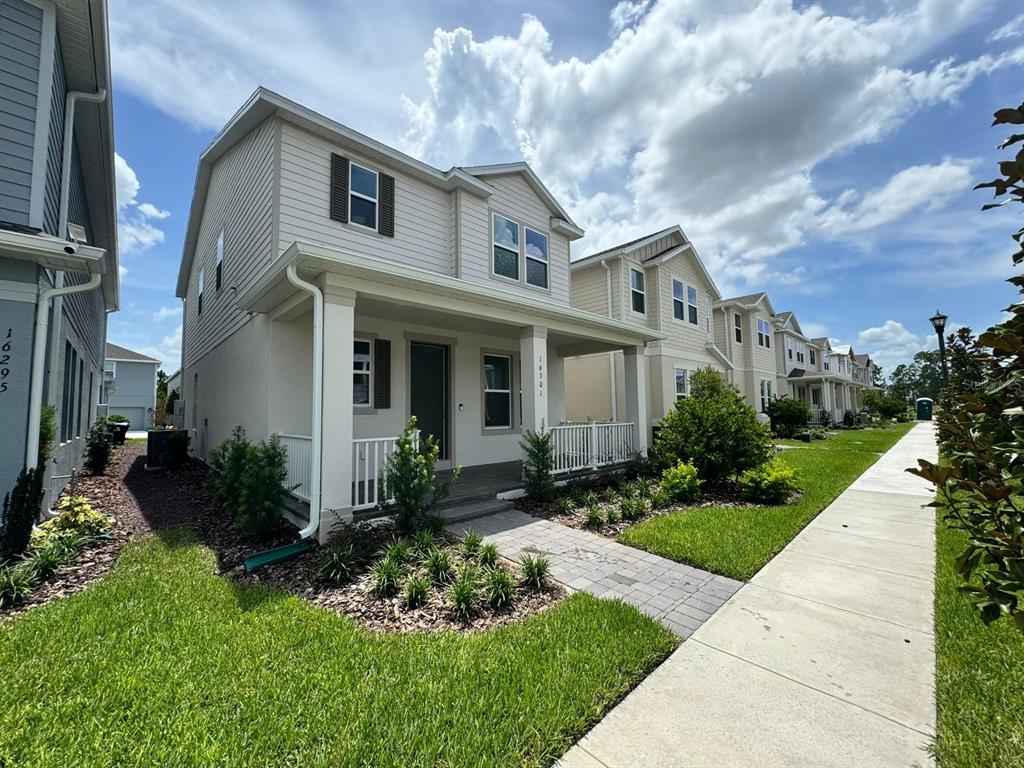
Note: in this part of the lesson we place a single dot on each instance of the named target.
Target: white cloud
(682, 120)
(813, 330)
(168, 352)
(889, 344)
(1013, 28)
(166, 312)
(122, 270)
(626, 14)
(135, 233)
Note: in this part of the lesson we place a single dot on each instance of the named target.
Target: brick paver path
(680, 597)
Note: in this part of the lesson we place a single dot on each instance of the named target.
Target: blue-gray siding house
(129, 380)
(58, 235)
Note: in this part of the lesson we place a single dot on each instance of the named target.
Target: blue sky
(823, 152)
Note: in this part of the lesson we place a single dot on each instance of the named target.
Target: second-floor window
(813, 356)
(764, 333)
(637, 294)
(801, 351)
(691, 304)
(678, 303)
(505, 245)
(536, 258)
(363, 196)
(738, 329)
(199, 301)
(789, 348)
(220, 257)
(361, 372)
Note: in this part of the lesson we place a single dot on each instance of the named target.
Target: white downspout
(611, 355)
(318, 398)
(35, 403)
(65, 169)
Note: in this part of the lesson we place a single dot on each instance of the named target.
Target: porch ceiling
(392, 291)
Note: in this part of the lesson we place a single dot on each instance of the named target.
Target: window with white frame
(505, 246)
(813, 356)
(636, 285)
(789, 348)
(738, 327)
(825, 362)
(361, 371)
(691, 304)
(497, 392)
(801, 351)
(682, 383)
(764, 333)
(202, 282)
(220, 258)
(766, 394)
(536, 258)
(363, 185)
(678, 302)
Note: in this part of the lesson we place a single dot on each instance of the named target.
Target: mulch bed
(144, 502)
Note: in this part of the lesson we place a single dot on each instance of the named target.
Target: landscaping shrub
(499, 588)
(15, 583)
(412, 479)
(399, 550)
(99, 444)
(632, 509)
(680, 483)
(464, 592)
(262, 493)
(78, 515)
(42, 561)
(439, 565)
(535, 571)
(771, 483)
(19, 512)
(336, 563)
(471, 542)
(565, 506)
(227, 465)
(594, 518)
(488, 555)
(424, 542)
(538, 463)
(590, 499)
(177, 450)
(612, 515)
(884, 406)
(714, 429)
(788, 416)
(417, 588)
(385, 575)
(47, 433)
(849, 419)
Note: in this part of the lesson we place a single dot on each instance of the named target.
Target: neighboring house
(334, 287)
(129, 380)
(744, 329)
(657, 282)
(58, 236)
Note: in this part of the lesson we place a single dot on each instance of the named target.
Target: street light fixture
(938, 321)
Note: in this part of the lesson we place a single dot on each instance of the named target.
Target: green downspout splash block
(276, 555)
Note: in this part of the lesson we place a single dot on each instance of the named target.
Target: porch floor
(483, 481)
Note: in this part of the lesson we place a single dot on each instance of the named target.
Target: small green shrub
(499, 588)
(593, 517)
(612, 515)
(117, 418)
(263, 491)
(15, 584)
(439, 566)
(424, 542)
(227, 465)
(464, 593)
(590, 499)
(849, 419)
(77, 514)
(535, 571)
(645, 487)
(99, 444)
(385, 575)
(680, 483)
(660, 499)
(19, 512)
(399, 550)
(565, 506)
(612, 494)
(411, 477)
(336, 563)
(632, 509)
(538, 463)
(576, 489)
(417, 590)
(771, 483)
(47, 433)
(788, 416)
(471, 542)
(488, 555)
(43, 561)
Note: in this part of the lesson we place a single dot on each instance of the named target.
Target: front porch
(828, 397)
(477, 366)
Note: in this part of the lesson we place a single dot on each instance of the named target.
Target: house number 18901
(5, 358)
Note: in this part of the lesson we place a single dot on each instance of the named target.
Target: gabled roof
(265, 103)
(114, 352)
(789, 319)
(748, 302)
(863, 359)
(822, 342)
(681, 244)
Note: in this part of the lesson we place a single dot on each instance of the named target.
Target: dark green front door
(428, 387)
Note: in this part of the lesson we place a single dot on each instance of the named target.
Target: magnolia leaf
(1008, 115)
(1011, 139)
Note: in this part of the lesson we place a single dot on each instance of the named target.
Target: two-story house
(656, 282)
(335, 286)
(129, 384)
(58, 236)
(745, 331)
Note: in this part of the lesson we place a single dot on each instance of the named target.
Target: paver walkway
(826, 658)
(680, 597)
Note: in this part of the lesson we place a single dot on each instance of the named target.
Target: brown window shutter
(386, 218)
(382, 373)
(339, 188)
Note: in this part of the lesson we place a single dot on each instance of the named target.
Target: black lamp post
(939, 324)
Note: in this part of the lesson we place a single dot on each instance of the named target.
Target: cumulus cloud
(168, 351)
(626, 14)
(135, 232)
(1013, 28)
(889, 344)
(166, 312)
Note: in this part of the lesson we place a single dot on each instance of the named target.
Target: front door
(428, 387)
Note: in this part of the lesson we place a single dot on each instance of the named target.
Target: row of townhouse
(334, 287)
(659, 282)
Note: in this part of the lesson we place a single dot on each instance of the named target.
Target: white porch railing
(369, 458)
(299, 463)
(817, 416)
(589, 446)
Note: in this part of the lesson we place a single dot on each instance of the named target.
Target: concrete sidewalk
(826, 658)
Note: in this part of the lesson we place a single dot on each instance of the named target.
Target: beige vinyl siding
(239, 201)
(682, 334)
(762, 359)
(421, 210)
(516, 200)
(590, 290)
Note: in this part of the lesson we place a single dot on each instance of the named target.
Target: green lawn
(165, 663)
(737, 542)
(979, 673)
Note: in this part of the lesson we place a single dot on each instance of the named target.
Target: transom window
(691, 304)
(639, 297)
(505, 242)
(497, 392)
(363, 196)
(682, 383)
(678, 305)
(361, 371)
(738, 323)
(536, 258)
(764, 333)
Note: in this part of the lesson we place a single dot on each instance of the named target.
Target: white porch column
(636, 395)
(533, 376)
(556, 387)
(336, 471)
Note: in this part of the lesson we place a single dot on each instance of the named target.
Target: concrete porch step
(473, 509)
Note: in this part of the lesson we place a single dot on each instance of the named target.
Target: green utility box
(924, 409)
